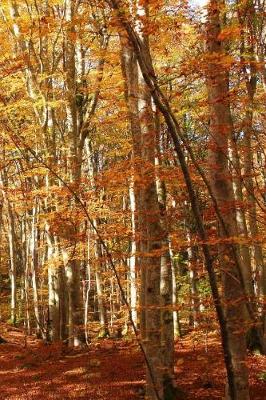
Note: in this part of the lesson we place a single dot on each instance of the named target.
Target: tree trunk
(166, 285)
(220, 180)
(104, 332)
(159, 369)
(176, 319)
(53, 315)
(133, 256)
(13, 268)
(34, 263)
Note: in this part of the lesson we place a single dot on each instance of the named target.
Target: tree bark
(133, 256)
(219, 176)
(152, 296)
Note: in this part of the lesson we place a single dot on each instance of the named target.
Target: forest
(132, 199)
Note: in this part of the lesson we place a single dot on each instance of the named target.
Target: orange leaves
(232, 32)
(218, 61)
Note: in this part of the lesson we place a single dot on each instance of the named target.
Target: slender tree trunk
(73, 265)
(102, 309)
(13, 268)
(87, 292)
(133, 256)
(220, 180)
(130, 74)
(12, 247)
(53, 317)
(34, 263)
(194, 294)
(26, 277)
(166, 286)
(176, 319)
(244, 253)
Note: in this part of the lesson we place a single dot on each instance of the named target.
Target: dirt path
(109, 370)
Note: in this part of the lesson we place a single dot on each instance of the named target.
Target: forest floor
(111, 369)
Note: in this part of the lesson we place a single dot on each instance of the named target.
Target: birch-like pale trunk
(166, 279)
(130, 74)
(176, 319)
(12, 247)
(133, 255)
(72, 265)
(53, 318)
(13, 267)
(142, 123)
(26, 276)
(102, 309)
(33, 256)
(194, 294)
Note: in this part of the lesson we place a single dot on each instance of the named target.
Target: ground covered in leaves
(114, 369)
